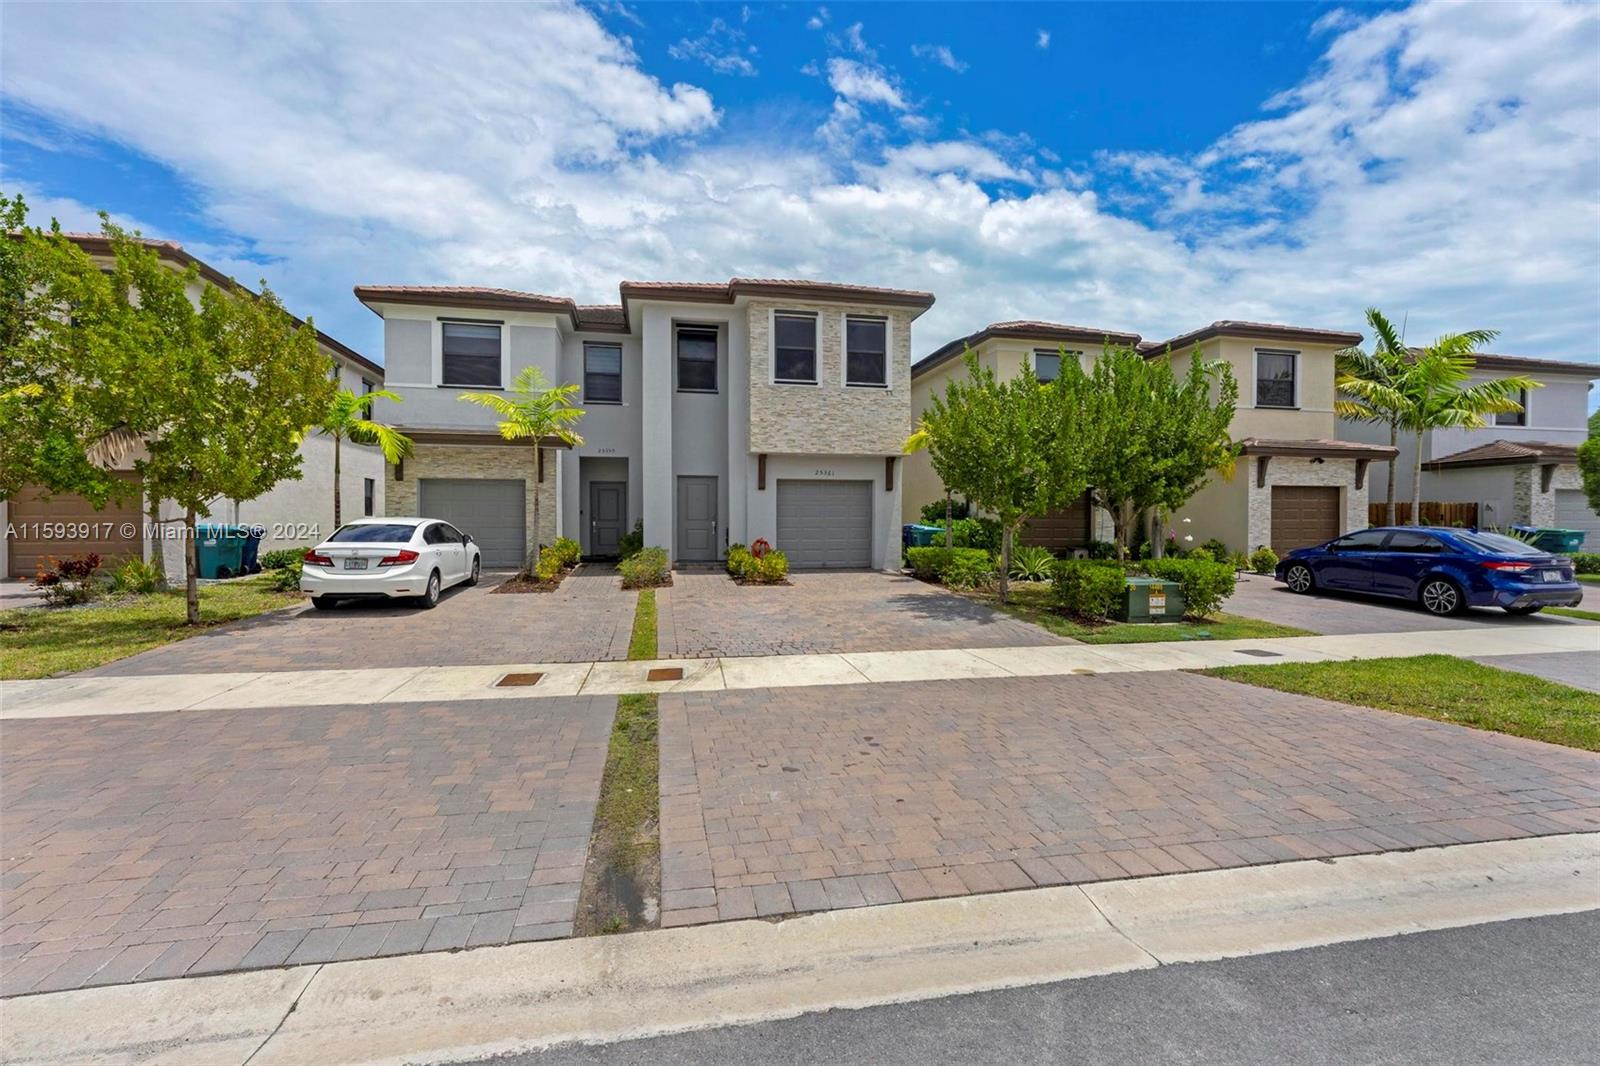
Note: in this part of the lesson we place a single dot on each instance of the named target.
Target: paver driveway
(588, 618)
(1262, 597)
(814, 798)
(148, 846)
(707, 614)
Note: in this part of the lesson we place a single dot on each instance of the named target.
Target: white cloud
(1043, 40)
(940, 54)
(819, 20)
(1440, 162)
(723, 48)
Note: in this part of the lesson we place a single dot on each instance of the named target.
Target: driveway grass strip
(1573, 612)
(622, 878)
(1030, 601)
(45, 641)
(1445, 689)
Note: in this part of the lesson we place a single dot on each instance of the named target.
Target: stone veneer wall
(829, 419)
(1541, 506)
(1290, 470)
(477, 461)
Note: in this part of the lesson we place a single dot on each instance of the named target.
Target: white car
(389, 558)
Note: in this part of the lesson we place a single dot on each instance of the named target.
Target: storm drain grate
(1261, 653)
(518, 680)
(665, 673)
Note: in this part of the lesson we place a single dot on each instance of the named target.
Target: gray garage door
(825, 523)
(491, 510)
(1572, 512)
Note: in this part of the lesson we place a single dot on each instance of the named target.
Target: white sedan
(389, 558)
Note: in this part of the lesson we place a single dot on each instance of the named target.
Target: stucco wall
(762, 518)
(1218, 510)
(1311, 419)
(478, 461)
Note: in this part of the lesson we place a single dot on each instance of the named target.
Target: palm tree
(538, 412)
(1368, 386)
(348, 417)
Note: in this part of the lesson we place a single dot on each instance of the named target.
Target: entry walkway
(100, 694)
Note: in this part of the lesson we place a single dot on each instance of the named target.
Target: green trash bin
(1556, 541)
(915, 535)
(220, 549)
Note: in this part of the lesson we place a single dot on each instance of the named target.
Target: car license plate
(1553, 575)
(355, 564)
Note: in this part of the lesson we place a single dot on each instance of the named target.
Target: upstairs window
(866, 352)
(697, 359)
(1515, 418)
(470, 354)
(794, 348)
(602, 373)
(1275, 384)
(1046, 365)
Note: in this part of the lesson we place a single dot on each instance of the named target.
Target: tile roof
(1232, 327)
(1028, 329)
(1505, 452)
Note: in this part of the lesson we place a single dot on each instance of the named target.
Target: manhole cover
(1261, 653)
(665, 673)
(518, 680)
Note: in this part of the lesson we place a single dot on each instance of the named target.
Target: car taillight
(399, 558)
(313, 558)
(1513, 568)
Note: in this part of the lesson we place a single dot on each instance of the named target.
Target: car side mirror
(466, 538)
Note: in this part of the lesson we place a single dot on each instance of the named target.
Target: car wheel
(473, 580)
(430, 599)
(324, 603)
(1299, 579)
(1441, 596)
(1527, 608)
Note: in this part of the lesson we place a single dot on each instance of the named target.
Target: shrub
(738, 554)
(1086, 588)
(1219, 551)
(632, 542)
(566, 551)
(970, 569)
(1239, 561)
(137, 576)
(549, 567)
(972, 533)
(1102, 549)
(933, 513)
(932, 564)
(278, 558)
(1263, 560)
(1203, 553)
(1206, 585)
(1586, 562)
(68, 581)
(1031, 563)
(646, 568)
(770, 569)
(287, 578)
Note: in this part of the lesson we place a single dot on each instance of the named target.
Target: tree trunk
(1416, 485)
(1158, 536)
(1121, 518)
(533, 556)
(191, 564)
(1394, 442)
(1005, 564)
(949, 534)
(338, 500)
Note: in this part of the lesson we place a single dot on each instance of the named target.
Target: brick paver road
(808, 799)
(707, 614)
(147, 846)
(586, 619)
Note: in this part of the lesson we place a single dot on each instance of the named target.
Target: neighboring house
(294, 513)
(716, 413)
(1294, 483)
(1519, 469)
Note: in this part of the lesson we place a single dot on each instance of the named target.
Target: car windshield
(370, 533)
(1496, 543)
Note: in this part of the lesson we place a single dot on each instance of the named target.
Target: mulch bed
(768, 584)
(523, 583)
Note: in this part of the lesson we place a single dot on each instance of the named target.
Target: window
(369, 495)
(866, 352)
(470, 354)
(697, 359)
(1275, 378)
(1046, 365)
(1518, 417)
(602, 373)
(1368, 540)
(794, 348)
(375, 533)
(367, 386)
(1413, 543)
(1494, 543)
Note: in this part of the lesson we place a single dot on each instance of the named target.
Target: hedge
(934, 564)
(1089, 589)
(1206, 585)
(1586, 562)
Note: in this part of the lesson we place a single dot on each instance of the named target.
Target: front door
(697, 519)
(608, 516)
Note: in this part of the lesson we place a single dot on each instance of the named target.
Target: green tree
(1589, 462)
(1151, 439)
(539, 413)
(921, 439)
(349, 417)
(1369, 386)
(995, 443)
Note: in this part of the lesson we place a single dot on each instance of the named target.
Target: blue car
(1444, 570)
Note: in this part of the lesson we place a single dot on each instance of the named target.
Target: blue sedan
(1444, 570)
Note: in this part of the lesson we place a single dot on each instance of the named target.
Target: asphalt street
(1515, 992)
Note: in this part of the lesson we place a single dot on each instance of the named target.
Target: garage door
(825, 523)
(1573, 512)
(1302, 516)
(111, 533)
(491, 510)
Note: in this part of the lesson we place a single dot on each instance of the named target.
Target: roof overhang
(1265, 331)
(1507, 453)
(1049, 332)
(1317, 449)
(479, 437)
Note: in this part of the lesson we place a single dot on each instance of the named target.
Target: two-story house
(294, 513)
(1521, 468)
(1294, 482)
(715, 413)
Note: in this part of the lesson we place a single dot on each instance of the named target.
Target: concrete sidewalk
(99, 694)
(444, 1007)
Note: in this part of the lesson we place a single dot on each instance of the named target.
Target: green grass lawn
(1445, 689)
(44, 641)
(1589, 579)
(1573, 612)
(1030, 601)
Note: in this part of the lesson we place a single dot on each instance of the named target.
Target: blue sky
(1146, 167)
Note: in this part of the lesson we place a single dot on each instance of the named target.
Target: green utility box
(1150, 599)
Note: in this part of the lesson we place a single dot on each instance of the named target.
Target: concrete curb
(452, 1006)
